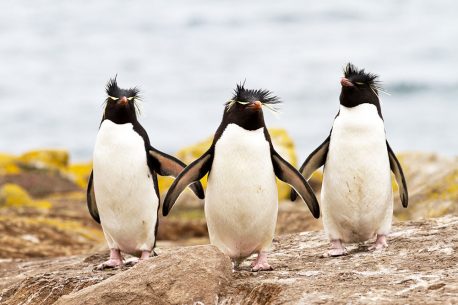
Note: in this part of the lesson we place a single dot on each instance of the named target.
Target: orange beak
(345, 82)
(123, 101)
(257, 105)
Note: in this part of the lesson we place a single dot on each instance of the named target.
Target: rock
(45, 159)
(45, 281)
(41, 183)
(418, 267)
(12, 195)
(79, 173)
(433, 186)
(55, 227)
(188, 275)
(43, 172)
(8, 164)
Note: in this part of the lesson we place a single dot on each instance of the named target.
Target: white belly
(241, 200)
(124, 189)
(357, 200)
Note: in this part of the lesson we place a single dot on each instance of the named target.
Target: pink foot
(380, 243)
(261, 264)
(337, 249)
(145, 255)
(135, 260)
(114, 261)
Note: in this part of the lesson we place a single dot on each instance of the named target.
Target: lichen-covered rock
(8, 164)
(41, 183)
(79, 173)
(12, 195)
(45, 159)
(433, 186)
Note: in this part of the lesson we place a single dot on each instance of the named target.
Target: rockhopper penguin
(356, 195)
(123, 194)
(241, 198)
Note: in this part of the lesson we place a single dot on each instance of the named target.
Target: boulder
(43, 172)
(184, 276)
(432, 181)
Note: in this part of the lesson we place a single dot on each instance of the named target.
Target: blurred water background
(187, 56)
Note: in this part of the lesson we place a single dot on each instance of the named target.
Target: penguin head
(359, 87)
(121, 104)
(245, 107)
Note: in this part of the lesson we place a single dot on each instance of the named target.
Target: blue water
(187, 56)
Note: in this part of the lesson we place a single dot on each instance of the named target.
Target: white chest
(358, 136)
(242, 160)
(356, 194)
(124, 188)
(241, 199)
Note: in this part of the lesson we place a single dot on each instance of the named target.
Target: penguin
(357, 195)
(122, 193)
(241, 201)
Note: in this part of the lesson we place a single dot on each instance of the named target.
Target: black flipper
(399, 175)
(192, 173)
(90, 197)
(166, 165)
(313, 162)
(287, 173)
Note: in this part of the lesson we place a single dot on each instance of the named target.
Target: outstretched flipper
(313, 162)
(399, 175)
(192, 173)
(166, 165)
(90, 196)
(287, 173)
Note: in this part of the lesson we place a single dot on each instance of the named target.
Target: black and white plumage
(241, 199)
(357, 196)
(123, 194)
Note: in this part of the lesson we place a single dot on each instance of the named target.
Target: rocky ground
(419, 267)
(49, 244)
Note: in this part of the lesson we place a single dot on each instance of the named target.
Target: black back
(364, 88)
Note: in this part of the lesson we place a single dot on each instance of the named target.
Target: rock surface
(419, 267)
(188, 275)
(433, 186)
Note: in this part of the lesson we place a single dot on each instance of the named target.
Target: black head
(359, 87)
(245, 107)
(121, 104)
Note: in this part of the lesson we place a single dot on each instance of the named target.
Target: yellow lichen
(79, 173)
(12, 195)
(8, 164)
(45, 159)
(72, 226)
